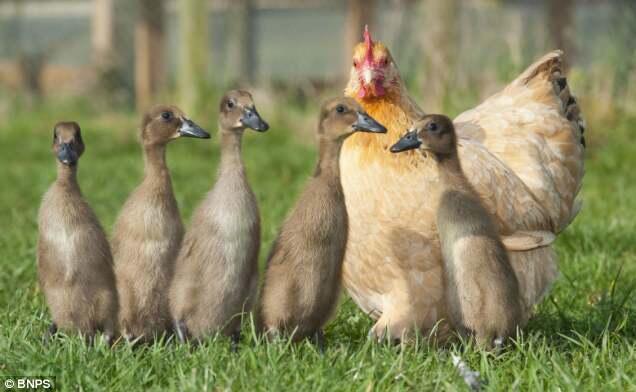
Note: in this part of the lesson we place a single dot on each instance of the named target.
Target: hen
(522, 150)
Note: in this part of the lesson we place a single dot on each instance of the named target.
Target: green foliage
(583, 336)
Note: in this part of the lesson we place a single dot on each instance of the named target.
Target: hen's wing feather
(534, 126)
(505, 196)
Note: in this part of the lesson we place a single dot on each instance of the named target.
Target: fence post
(359, 13)
(149, 39)
(193, 53)
(102, 33)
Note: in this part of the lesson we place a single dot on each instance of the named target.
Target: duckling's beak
(190, 129)
(251, 119)
(366, 123)
(409, 141)
(67, 155)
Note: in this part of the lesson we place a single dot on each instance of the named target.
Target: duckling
(148, 231)
(216, 273)
(482, 291)
(303, 275)
(75, 265)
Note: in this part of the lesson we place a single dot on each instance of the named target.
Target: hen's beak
(409, 141)
(367, 76)
(366, 123)
(190, 129)
(67, 155)
(251, 119)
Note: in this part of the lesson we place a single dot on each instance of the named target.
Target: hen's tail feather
(544, 82)
(550, 66)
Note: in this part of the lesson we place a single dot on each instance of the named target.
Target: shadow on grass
(610, 312)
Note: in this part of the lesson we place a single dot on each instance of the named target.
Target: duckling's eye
(230, 104)
(166, 116)
(432, 126)
(340, 109)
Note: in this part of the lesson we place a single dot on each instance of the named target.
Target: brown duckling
(148, 231)
(75, 265)
(216, 273)
(482, 291)
(303, 276)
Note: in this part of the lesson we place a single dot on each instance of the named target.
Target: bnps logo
(29, 383)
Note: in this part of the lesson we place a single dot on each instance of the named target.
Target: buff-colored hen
(522, 150)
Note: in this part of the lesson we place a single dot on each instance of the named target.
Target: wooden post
(359, 13)
(149, 38)
(561, 27)
(193, 53)
(102, 37)
(245, 56)
(439, 40)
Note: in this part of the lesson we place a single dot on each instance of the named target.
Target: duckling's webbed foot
(319, 340)
(49, 334)
(132, 340)
(498, 344)
(181, 329)
(89, 338)
(235, 339)
(109, 338)
(273, 335)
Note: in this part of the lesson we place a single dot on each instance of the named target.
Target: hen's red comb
(369, 43)
(367, 37)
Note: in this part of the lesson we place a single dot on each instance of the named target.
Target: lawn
(582, 338)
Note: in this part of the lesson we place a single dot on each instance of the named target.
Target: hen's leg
(399, 316)
(415, 304)
(394, 326)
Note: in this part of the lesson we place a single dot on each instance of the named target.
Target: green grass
(582, 338)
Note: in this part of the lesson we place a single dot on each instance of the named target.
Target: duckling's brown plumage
(216, 273)
(148, 230)
(75, 266)
(482, 291)
(302, 280)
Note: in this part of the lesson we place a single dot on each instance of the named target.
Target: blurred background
(128, 54)
(102, 62)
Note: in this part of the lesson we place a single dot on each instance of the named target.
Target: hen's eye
(230, 104)
(384, 62)
(355, 63)
(340, 109)
(432, 126)
(166, 115)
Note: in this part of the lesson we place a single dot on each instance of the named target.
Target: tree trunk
(193, 46)
(561, 27)
(440, 42)
(359, 14)
(149, 39)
